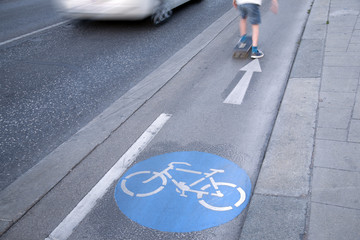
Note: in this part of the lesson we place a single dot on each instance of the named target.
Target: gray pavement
(309, 184)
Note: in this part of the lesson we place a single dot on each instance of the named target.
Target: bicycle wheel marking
(202, 202)
(183, 191)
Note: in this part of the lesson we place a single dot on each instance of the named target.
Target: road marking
(188, 171)
(66, 227)
(47, 173)
(34, 32)
(238, 93)
(158, 195)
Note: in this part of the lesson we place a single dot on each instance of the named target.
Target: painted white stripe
(124, 188)
(150, 193)
(219, 209)
(188, 171)
(238, 93)
(194, 183)
(34, 32)
(66, 227)
(242, 197)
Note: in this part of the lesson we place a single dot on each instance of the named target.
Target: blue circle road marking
(183, 191)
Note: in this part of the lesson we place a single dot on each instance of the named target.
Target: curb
(26, 191)
(280, 205)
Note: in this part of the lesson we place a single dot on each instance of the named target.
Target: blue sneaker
(257, 54)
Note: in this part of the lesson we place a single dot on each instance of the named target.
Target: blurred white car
(159, 10)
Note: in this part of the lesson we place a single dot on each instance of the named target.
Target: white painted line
(47, 173)
(188, 171)
(34, 32)
(66, 227)
(238, 93)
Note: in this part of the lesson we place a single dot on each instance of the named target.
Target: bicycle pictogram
(210, 188)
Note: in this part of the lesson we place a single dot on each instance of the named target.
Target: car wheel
(161, 15)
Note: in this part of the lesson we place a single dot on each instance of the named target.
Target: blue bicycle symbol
(212, 189)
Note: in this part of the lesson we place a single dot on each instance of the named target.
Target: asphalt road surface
(55, 81)
(207, 113)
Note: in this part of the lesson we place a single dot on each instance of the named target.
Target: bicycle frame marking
(183, 191)
(182, 187)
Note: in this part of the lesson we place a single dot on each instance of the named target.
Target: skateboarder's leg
(255, 35)
(242, 26)
(256, 53)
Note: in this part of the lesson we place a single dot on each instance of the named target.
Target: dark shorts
(251, 12)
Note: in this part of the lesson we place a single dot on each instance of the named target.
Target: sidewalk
(309, 184)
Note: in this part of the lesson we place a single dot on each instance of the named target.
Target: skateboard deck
(242, 50)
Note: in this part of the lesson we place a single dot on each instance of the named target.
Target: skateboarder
(250, 9)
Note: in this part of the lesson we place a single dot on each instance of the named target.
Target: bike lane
(204, 131)
(200, 121)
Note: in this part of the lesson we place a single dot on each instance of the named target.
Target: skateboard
(242, 50)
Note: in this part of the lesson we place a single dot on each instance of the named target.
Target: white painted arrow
(238, 93)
